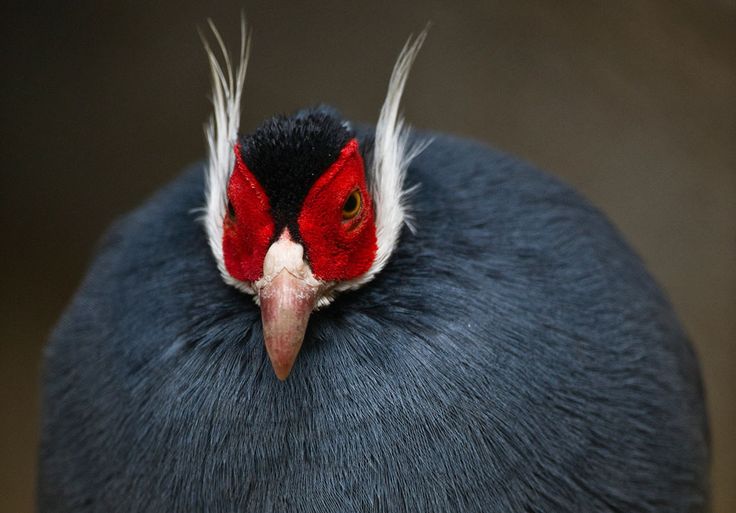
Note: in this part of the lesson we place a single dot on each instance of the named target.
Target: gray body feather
(513, 356)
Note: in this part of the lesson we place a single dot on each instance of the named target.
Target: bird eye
(352, 205)
(230, 210)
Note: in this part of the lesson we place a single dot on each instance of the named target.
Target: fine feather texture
(513, 356)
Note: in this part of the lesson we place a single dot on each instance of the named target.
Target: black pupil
(230, 209)
(351, 203)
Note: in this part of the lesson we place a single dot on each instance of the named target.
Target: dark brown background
(632, 102)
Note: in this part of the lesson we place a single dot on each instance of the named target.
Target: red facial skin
(336, 249)
(339, 249)
(246, 236)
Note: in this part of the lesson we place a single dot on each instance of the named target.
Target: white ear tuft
(221, 132)
(392, 155)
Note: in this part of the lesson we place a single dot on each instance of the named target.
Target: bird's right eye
(230, 210)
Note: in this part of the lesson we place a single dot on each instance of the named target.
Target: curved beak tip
(283, 355)
(282, 371)
(286, 303)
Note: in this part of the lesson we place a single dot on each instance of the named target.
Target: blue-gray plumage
(513, 356)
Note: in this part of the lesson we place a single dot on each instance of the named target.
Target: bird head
(299, 222)
(294, 215)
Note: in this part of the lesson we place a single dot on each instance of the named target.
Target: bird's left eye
(352, 205)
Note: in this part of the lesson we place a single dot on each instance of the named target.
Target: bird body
(510, 353)
(513, 356)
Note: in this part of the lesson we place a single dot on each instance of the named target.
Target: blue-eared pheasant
(367, 320)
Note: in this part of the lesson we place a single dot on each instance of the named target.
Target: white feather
(392, 155)
(221, 132)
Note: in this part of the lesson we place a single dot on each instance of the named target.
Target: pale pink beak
(287, 297)
(286, 303)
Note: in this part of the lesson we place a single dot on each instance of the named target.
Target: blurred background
(631, 102)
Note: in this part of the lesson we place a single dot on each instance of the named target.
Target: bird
(365, 318)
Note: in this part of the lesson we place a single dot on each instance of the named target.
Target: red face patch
(336, 221)
(339, 247)
(248, 226)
